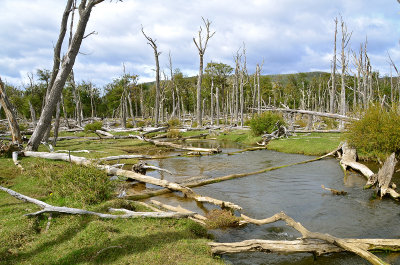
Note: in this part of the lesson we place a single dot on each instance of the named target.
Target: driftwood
(178, 146)
(358, 249)
(47, 208)
(334, 192)
(383, 178)
(150, 194)
(135, 176)
(194, 216)
(303, 245)
(315, 113)
(110, 158)
(151, 130)
(317, 131)
(280, 132)
(100, 132)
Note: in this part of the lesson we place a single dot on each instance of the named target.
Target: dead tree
(85, 8)
(12, 119)
(344, 61)
(153, 45)
(201, 47)
(333, 74)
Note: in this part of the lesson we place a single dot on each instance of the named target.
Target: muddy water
(295, 190)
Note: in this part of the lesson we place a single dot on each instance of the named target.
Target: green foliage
(330, 123)
(265, 122)
(174, 133)
(377, 132)
(221, 218)
(92, 127)
(74, 185)
(174, 122)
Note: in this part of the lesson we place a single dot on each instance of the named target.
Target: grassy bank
(88, 239)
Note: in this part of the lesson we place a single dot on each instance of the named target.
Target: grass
(88, 239)
(308, 144)
(239, 136)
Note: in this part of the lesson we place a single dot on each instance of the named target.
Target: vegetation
(377, 133)
(221, 218)
(265, 122)
(86, 239)
(92, 127)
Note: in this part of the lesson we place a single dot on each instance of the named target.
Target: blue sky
(290, 36)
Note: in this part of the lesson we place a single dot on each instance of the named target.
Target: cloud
(289, 35)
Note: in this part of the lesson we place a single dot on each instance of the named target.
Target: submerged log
(349, 159)
(303, 245)
(334, 192)
(47, 208)
(306, 234)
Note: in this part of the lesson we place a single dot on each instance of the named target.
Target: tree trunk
(333, 74)
(11, 117)
(66, 67)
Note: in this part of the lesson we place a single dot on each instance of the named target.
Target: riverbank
(66, 239)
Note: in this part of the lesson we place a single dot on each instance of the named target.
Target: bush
(265, 122)
(174, 133)
(74, 185)
(221, 218)
(174, 122)
(377, 132)
(92, 127)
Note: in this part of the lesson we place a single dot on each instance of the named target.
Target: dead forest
(221, 98)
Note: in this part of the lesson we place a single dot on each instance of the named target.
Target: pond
(297, 191)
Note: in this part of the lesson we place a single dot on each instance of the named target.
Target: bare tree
(333, 74)
(85, 8)
(201, 45)
(153, 45)
(344, 62)
(12, 119)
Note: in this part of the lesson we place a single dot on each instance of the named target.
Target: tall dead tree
(85, 8)
(344, 62)
(333, 74)
(201, 47)
(153, 45)
(11, 117)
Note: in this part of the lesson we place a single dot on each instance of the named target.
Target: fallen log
(349, 156)
(178, 146)
(110, 158)
(104, 133)
(194, 216)
(48, 208)
(383, 178)
(151, 130)
(135, 176)
(315, 113)
(303, 246)
(334, 192)
(306, 234)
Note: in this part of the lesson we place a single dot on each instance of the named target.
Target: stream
(297, 191)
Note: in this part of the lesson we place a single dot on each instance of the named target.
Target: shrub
(377, 132)
(265, 122)
(221, 218)
(174, 122)
(74, 185)
(92, 127)
(174, 133)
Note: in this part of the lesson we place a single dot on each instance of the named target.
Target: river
(297, 191)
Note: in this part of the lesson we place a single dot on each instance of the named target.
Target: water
(297, 191)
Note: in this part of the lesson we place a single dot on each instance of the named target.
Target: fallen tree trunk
(306, 234)
(315, 113)
(135, 176)
(194, 216)
(110, 158)
(303, 245)
(349, 156)
(47, 208)
(178, 146)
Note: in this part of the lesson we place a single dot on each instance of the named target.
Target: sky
(290, 36)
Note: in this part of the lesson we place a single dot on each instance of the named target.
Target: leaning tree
(62, 68)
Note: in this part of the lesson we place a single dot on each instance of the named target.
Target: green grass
(87, 239)
(239, 136)
(312, 144)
